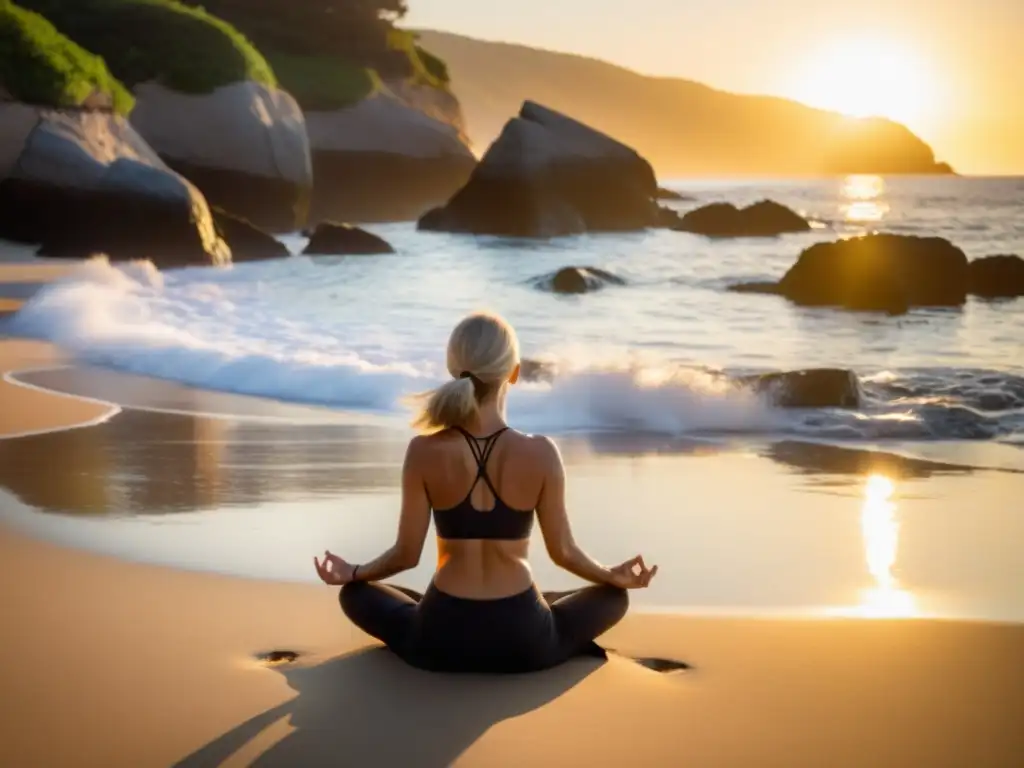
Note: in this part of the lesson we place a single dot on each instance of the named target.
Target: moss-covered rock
(39, 65)
(322, 81)
(82, 182)
(182, 48)
(387, 137)
(206, 101)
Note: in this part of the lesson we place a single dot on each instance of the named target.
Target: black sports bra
(464, 521)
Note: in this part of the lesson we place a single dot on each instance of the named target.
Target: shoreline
(161, 666)
(220, 447)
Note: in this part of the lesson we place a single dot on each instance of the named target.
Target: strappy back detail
(482, 454)
(464, 521)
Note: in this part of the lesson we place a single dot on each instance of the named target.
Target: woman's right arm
(562, 547)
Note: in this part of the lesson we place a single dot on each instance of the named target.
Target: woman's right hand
(334, 571)
(632, 574)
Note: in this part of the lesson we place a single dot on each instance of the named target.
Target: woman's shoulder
(540, 448)
(536, 445)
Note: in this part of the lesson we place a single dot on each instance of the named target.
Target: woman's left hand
(333, 570)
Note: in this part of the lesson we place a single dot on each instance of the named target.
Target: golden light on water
(880, 529)
(881, 532)
(865, 198)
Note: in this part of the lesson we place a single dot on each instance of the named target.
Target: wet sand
(111, 663)
(834, 531)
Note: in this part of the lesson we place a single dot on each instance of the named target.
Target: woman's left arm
(412, 530)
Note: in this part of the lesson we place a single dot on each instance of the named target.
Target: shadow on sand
(370, 708)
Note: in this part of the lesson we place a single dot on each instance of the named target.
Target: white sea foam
(209, 330)
(360, 332)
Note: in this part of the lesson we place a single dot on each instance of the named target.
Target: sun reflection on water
(881, 531)
(866, 198)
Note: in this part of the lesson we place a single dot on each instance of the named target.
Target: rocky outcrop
(683, 127)
(997, 277)
(437, 103)
(83, 182)
(814, 388)
(880, 273)
(536, 370)
(382, 160)
(576, 280)
(342, 239)
(764, 219)
(246, 241)
(668, 194)
(244, 145)
(548, 175)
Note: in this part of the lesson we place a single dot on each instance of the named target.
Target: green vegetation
(353, 29)
(39, 65)
(182, 47)
(425, 68)
(323, 82)
(330, 53)
(434, 66)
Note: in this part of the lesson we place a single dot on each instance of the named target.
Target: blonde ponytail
(452, 404)
(483, 352)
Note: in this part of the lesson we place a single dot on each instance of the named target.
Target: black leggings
(521, 633)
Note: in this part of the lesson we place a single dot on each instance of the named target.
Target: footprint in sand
(274, 658)
(662, 665)
(654, 663)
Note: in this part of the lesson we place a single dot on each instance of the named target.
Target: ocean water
(908, 507)
(358, 333)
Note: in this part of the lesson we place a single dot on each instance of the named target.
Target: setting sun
(866, 78)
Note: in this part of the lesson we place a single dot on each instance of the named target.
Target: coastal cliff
(682, 127)
(206, 101)
(387, 136)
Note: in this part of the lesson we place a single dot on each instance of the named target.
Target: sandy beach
(761, 284)
(110, 663)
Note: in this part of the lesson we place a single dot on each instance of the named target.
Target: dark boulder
(548, 175)
(771, 289)
(666, 218)
(577, 280)
(389, 157)
(247, 241)
(329, 239)
(668, 194)
(536, 370)
(243, 144)
(764, 219)
(813, 388)
(82, 183)
(880, 273)
(996, 277)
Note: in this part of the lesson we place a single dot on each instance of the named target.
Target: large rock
(246, 241)
(875, 273)
(548, 175)
(669, 194)
(244, 145)
(536, 370)
(997, 277)
(342, 239)
(382, 160)
(82, 182)
(764, 219)
(577, 280)
(814, 388)
(438, 103)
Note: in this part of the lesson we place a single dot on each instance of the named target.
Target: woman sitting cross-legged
(484, 482)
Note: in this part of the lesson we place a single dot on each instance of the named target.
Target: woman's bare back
(483, 569)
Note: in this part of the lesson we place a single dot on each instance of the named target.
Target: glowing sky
(949, 69)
